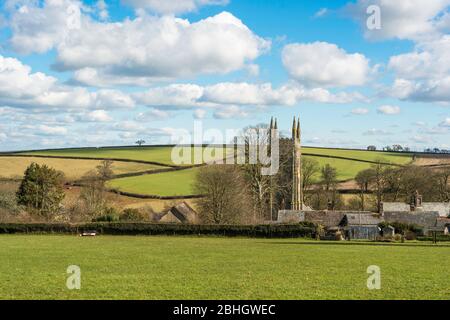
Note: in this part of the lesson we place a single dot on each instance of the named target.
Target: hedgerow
(126, 228)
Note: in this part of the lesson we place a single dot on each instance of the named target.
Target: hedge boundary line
(154, 196)
(351, 159)
(253, 231)
(439, 238)
(195, 165)
(92, 158)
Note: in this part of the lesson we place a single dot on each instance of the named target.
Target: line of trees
(391, 183)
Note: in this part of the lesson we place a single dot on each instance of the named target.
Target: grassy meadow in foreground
(124, 267)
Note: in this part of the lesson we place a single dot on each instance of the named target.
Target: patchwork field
(123, 267)
(14, 167)
(180, 183)
(163, 154)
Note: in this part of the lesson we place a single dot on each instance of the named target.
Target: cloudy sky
(109, 72)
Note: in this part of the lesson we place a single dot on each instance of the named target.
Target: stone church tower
(297, 197)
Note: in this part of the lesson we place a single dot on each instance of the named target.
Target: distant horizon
(213, 145)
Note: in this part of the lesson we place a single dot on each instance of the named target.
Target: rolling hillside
(161, 155)
(138, 161)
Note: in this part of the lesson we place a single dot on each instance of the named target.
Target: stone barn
(361, 226)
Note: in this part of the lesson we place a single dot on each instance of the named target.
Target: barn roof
(184, 213)
(325, 218)
(425, 219)
(362, 219)
(169, 217)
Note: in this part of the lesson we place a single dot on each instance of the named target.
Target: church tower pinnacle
(297, 197)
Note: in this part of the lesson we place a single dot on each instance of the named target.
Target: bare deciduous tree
(226, 200)
(93, 192)
(364, 179)
(310, 168)
(442, 178)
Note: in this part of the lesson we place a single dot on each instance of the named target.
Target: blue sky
(93, 73)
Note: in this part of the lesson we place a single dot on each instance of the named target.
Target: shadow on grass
(355, 243)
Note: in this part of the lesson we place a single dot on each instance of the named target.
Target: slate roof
(424, 219)
(181, 213)
(168, 217)
(184, 213)
(324, 218)
(327, 218)
(362, 219)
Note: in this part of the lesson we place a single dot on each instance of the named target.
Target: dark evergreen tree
(41, 189)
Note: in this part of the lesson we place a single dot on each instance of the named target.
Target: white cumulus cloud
(147, 46)
(51, 130)
(405, 19)
(239, 93)
(230, 112)
(98, 116)
(173, 6)
(21, 88)
(423, 74)
(389, 110)
(325, 64)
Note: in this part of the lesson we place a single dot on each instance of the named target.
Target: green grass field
(346, 169)
(164, 184)
(124, 267)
